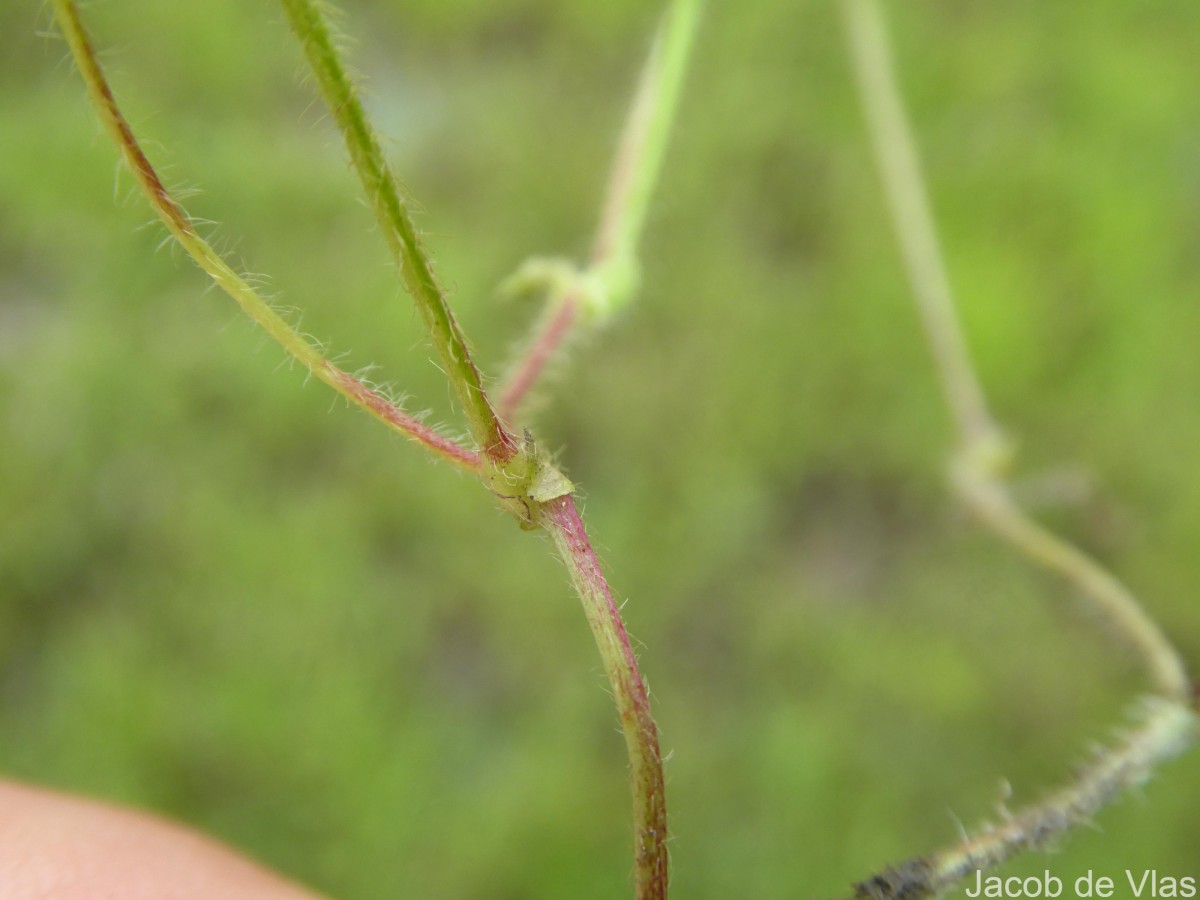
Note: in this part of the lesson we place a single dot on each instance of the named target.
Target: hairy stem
(1166, 730)
(223, 275)
(562, 520)
(610, 279)
(976, 475)
(391, 211)
(530, 486)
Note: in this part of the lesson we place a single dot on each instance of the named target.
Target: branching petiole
(182, 228)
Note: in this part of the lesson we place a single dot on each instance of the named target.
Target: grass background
(226, 597)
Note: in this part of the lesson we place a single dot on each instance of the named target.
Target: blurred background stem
(977, 473)
(610, 280)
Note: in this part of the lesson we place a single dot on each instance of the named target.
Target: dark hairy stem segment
(1166, 730)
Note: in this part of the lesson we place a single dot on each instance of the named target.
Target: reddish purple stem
(379, 407)
(633, 703)
(549, 338)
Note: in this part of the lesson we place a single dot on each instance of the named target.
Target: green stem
(561, 519)
(904, 185)
(609, 282)
(983, 453)
(532, 488)
(391, 211)
(976, 471)
(992, 502)
(643, 143)
(252, 303)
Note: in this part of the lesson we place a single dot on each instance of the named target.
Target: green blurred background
(227, 597)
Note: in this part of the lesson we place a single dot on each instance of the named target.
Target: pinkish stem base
(633, 703)
(550, 338)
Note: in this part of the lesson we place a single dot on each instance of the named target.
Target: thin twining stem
(896, 156)
(610, 279)
(982, 452)
(391, 211)
(643, 143)
(992, 502)
(223, 275)
(561, 519)
(1167, 729)
(1170, 723)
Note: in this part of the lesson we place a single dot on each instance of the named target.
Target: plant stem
(562, 520)
(983, 452)
(610, 279)
(1167, 730)
(557, 514)
(991, 501)
(540, 495)
(643, 142)
(976, 474)
(391, 211)
(252, 303)
(896, 156)
(552, 333)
